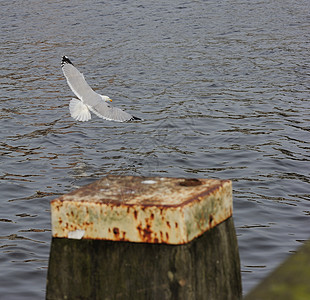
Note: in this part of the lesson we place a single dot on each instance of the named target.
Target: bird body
(89, 100)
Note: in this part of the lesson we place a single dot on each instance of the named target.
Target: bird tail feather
(79, 111)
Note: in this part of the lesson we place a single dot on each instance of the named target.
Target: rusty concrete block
(142, 209)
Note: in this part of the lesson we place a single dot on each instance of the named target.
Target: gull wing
(106, 111)
(76, 81)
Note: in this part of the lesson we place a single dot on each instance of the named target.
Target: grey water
(222, 86)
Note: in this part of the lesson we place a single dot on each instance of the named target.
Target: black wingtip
(135, 119)
(65, 60)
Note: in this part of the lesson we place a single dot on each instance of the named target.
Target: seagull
(89, 100)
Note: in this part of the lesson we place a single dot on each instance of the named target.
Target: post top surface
(144, 191)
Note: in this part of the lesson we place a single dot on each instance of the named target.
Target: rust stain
(145, 233)
(190, 182)
(116, 232)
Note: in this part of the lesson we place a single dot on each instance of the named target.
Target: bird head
(106, 98)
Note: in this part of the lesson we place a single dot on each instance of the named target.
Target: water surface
(223, 87)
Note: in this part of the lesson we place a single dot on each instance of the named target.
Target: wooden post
(145, 238)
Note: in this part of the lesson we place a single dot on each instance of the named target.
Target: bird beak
(110, 100)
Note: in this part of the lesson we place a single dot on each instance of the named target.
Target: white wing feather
(77, 82)
(106, 111)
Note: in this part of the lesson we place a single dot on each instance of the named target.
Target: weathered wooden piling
(126, 237)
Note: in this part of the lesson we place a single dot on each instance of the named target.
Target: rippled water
(223, 87)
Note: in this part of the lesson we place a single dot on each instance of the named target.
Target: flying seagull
(89, 100)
